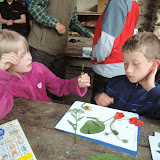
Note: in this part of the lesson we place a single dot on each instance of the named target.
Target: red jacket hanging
(115, 25)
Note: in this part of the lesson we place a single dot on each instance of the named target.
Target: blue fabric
(133, 98)
(115, 16)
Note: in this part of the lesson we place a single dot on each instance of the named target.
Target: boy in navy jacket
(136, 91)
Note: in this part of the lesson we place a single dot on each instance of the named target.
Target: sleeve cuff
(76, 90)
(4, 75)
(55, 23)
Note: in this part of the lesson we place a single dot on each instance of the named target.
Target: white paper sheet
(126, 130)
(157, 134)
(154, 142)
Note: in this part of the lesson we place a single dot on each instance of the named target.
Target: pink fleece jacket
(33, 85)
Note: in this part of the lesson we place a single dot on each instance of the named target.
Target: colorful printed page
(113, 130)
(13, 143)
(154, 142)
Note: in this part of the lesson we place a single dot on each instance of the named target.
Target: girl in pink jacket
(20, 77)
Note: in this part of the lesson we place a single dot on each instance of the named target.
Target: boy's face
(137, 67)
(25, 61)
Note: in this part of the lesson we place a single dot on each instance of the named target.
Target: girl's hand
(84, 80)
(149, 81)
(8, 59)
(103, 99)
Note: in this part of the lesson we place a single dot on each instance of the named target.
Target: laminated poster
(13, 143)
(110, 127)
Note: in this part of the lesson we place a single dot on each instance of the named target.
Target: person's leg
(98, 83)
(56, 64)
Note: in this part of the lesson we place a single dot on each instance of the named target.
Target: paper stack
(86, 52)
(154, 142)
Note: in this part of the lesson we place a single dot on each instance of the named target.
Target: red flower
(136, 121)
(118, 115)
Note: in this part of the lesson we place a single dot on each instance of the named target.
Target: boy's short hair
(9, 41)
(144, 42)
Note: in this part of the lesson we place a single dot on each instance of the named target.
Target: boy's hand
(84, 80)
(8, 59)
(149, 81)
(102, 99)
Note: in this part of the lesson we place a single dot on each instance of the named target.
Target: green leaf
(80, 111)
(99, 123)
(93, 118)
(80, 118)
(106, 156)
(115, 132)
(87, 53)
(158, 151)
(73, 125)
(92, 127)
(82, 69)
(73, 115)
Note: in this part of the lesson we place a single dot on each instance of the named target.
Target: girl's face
(25, 64)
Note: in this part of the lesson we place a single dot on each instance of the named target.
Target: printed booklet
(13, 143)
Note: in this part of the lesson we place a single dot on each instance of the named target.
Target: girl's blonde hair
(9, 41)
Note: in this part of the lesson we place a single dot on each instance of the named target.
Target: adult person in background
(49, 33)
(12, 15)
(115, 25)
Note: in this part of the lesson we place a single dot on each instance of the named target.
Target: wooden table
(38, 119)
(73, 51)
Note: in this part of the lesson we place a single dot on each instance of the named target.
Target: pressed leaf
(99, 123)
(92, 118)
(80, 118)
(73, 115)
(87, 53)
(114, 132)
(158, 151)
(92, 127)
(73, 125)
(107, 156)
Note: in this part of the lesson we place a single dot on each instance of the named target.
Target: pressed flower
(136, 121)
(118, 115)
(87, 108)
(107, 134)
(124, 140)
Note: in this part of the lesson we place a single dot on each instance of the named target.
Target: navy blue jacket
(133, 97)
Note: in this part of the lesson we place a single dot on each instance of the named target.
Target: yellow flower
(87, 108)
